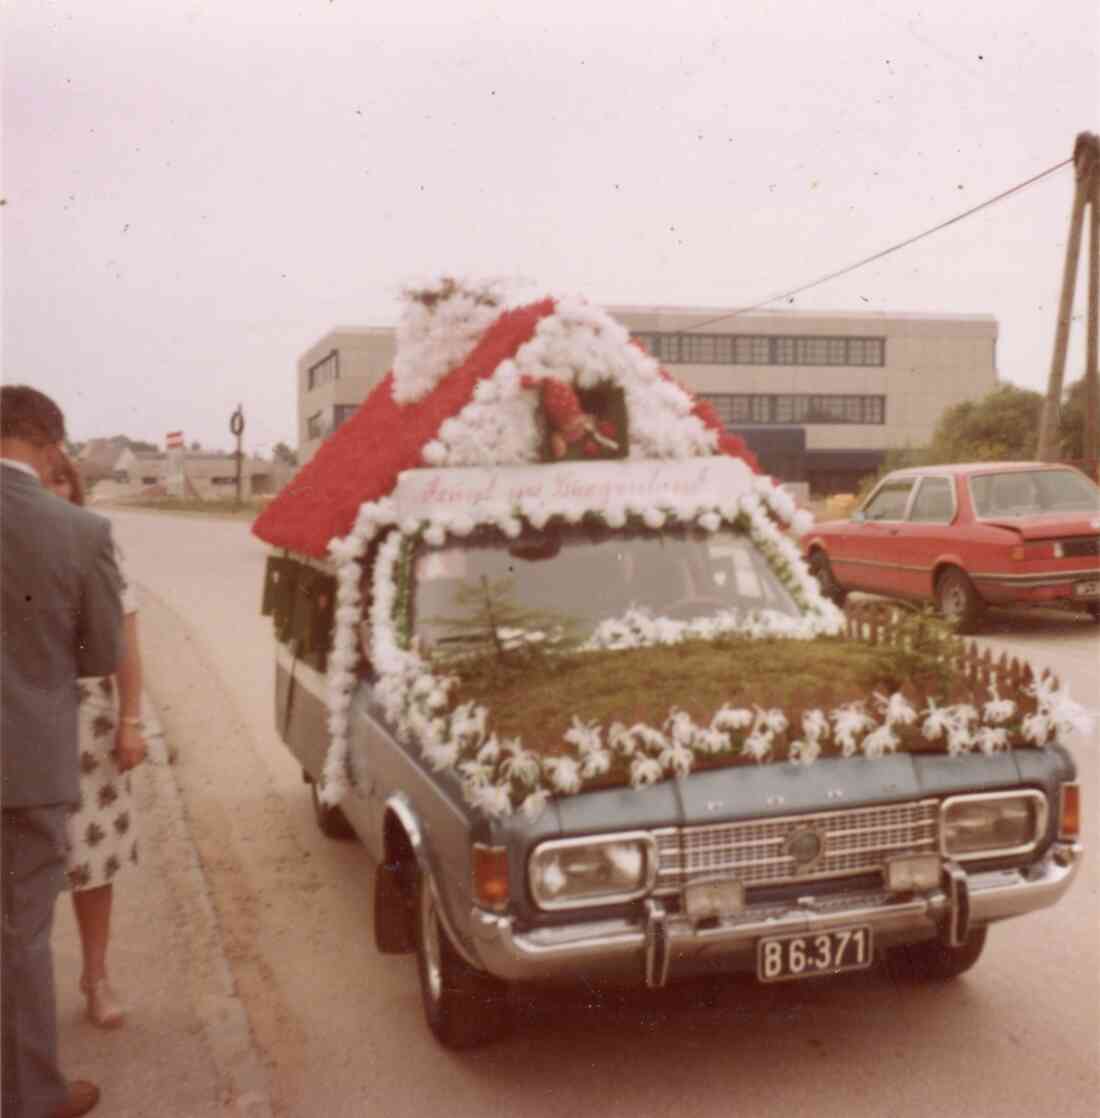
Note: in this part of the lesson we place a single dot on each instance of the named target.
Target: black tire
(465, 1008)
(331, 821)
(822, 570)
(1094, 610)
(958, 601)
(933, 960)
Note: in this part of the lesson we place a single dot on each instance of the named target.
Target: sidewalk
(186, 1050)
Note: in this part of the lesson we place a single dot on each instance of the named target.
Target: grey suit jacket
(61, 618)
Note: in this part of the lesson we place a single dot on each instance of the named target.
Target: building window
(341, 413)
(759, 408)
(699, 349)
(866, 351)
(324, 371)
(315, 428)
(752, 351)
(762, 349)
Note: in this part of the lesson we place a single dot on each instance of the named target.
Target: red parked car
(966, 537)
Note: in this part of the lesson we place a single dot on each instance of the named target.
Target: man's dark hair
(30, 415)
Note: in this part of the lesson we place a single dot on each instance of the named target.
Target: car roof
(960, 469)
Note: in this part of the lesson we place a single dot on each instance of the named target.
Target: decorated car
(969, 536)
(546, 643)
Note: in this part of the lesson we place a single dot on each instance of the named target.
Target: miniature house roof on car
(479, 382)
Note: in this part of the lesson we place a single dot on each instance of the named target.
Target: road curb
(221, 1013)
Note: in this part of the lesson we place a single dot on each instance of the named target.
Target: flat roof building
(334, 376)
(819, 397)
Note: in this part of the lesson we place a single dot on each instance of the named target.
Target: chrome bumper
(661, 941)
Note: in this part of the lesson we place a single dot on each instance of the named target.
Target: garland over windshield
(500, 774)
(578, 389)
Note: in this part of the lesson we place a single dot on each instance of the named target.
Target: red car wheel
(822, 570)
(958, 601)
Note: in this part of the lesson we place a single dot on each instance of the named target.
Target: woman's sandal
(104, 1008)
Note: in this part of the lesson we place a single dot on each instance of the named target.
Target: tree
(492, 623)
(283, 453)
(1072, 427)
(1002, 426)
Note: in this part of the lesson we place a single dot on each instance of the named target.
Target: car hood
(774, 790)
(1050, 526)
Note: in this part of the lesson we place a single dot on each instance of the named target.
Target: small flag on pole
(173, 440)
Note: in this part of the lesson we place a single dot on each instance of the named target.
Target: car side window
(933, 504)
(889, 500)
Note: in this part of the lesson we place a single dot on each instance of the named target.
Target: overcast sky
(196, 190)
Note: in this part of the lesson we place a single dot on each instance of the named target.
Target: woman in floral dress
(102, 832)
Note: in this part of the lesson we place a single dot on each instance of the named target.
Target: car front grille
(855, 841)
(1075, 547)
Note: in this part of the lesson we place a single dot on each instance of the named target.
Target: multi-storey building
(334, 376)
(819, 397)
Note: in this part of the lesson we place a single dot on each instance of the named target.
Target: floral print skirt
(102, 832)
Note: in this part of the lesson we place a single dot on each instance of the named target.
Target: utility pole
(1086, 162)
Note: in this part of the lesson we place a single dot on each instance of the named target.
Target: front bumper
(660, 942)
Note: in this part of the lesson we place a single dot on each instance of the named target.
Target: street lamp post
(236, 427)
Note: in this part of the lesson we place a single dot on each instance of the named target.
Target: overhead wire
(886, 251)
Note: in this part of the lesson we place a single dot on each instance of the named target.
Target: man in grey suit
(62, 618)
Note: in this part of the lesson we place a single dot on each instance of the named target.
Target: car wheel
(822, 570)
(958, 601)
(934, 960)
(464, 1007)
(331, 821)
(1094, 610)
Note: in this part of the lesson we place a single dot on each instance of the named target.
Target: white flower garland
(499, 776)
(499, 427)
(443, 320)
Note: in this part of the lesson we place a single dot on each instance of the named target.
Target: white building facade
(820, 398)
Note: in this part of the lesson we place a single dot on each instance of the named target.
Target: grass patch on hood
(537, 700)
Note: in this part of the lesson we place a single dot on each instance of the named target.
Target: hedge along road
(341, 1028)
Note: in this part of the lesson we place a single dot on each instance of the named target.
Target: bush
(1003, 426)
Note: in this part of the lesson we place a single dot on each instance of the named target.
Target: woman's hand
(130, 746)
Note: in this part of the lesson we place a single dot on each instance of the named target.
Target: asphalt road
(340, 1027)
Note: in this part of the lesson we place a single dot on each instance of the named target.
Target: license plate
(1089, 589)
(780, 958)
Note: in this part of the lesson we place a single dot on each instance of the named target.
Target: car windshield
(1027, 492)
(556, 587)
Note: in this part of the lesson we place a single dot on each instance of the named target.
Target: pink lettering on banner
(422, 493)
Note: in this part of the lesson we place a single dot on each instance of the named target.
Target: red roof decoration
(360, 461)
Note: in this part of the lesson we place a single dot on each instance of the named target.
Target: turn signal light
(1070, 826)
(490, 864)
